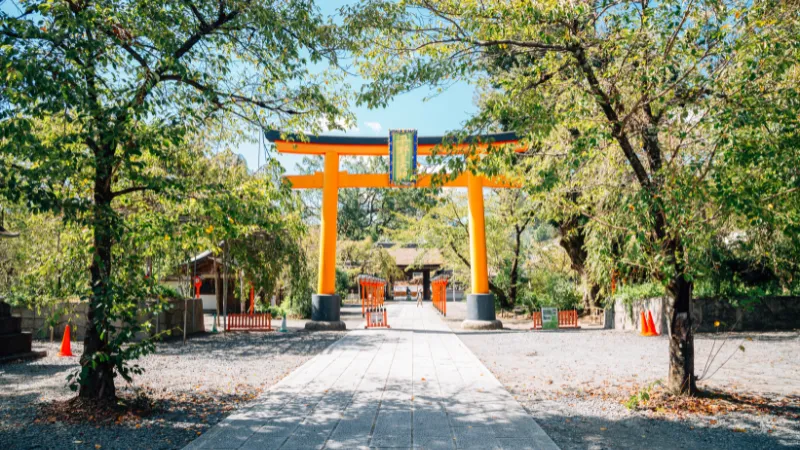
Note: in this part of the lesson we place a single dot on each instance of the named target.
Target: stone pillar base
(325, 313)
(323, 325)
(482, 325)
(480, 313)
(325, 307)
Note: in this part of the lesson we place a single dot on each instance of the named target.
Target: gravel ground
(573, 383)
(193, 386)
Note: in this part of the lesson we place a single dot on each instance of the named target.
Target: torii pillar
(325, 304)
(480, 303)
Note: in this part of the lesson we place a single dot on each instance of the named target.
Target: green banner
(402, 157)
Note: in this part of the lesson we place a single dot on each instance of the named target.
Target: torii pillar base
(325, 313)
(480, 313)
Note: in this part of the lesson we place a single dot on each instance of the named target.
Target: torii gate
(325, 304)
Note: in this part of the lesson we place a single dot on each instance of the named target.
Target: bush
(630, 293)
(342, 283)
(167, 291)
(552, 289)
(276, 311)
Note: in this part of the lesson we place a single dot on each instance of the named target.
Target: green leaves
(103, 104)
(667, 124)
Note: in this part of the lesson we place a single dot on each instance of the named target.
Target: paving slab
(415, 385)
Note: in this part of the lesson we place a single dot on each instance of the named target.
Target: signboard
(549, 318)
(402, 157)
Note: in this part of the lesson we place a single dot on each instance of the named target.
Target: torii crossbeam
(325, 304)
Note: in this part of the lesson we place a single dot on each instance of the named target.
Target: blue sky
(437, 115)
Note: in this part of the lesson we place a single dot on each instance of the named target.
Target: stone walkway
(413, 386)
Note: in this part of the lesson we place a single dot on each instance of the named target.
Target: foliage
(366, 212)
(99, 99)
(275, 311)
(48, 261)
(368, 258)
(552, 289)
(642, 396)
(629, 293)
(673, 120)
(344, 283)
(508, 238)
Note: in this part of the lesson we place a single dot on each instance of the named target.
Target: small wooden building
(416, 262)
(208, 267)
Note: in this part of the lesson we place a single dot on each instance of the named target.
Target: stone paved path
(413, 386)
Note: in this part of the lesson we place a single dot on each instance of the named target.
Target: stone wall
(771, 313)
(626, 317)
(74, 313)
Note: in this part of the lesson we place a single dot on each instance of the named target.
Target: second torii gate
(325, 304)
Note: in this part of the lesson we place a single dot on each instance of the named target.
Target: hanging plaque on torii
(402, 157)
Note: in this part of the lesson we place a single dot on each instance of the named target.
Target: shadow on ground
(341, 420)
(573, 432)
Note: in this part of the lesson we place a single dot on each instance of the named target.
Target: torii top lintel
(379, 146)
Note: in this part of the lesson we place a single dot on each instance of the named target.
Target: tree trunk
(97, 380)
(682, 379)
(590, 290)
(573, 241)
(217, 289)
(513, 289)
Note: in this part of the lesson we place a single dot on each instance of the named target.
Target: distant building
(207, 266)
(416, 262)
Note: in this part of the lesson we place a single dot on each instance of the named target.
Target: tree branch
(611, 114)
(129, 190)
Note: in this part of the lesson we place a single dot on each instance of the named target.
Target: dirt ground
(191, 387)
(574, 384)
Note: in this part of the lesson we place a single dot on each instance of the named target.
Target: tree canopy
(99, 99)
(660, 111)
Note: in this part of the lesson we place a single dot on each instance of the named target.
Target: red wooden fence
(373, 291)
(249, 322)
(568, 319)
(377, 319)
(439, 294)
(537, 320)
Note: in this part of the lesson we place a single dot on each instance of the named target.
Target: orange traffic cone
(651, 324)
(66, 344)
(645, 329)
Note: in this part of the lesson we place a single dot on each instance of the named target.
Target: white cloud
(374, 126)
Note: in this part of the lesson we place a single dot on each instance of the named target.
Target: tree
(254, 221)
(45, 263)
(509, 218)
(658, 91)
(365, 212)
(128, 81)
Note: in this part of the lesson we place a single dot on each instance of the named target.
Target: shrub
(552, 289)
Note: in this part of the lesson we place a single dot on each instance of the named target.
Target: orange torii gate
(326, 304)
